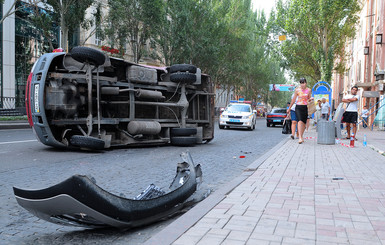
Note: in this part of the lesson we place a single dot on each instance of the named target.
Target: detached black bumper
(78, 201)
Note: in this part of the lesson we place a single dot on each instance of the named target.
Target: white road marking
(15, 142)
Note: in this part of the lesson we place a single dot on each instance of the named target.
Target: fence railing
(11, 106)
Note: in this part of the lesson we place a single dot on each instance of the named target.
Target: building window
(359, 71)
(98, 39)
(30, 43)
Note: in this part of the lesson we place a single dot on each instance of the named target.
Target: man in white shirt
(325, 109)
(364, 115)
(350, 116)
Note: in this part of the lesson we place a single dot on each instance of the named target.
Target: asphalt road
(28, 164)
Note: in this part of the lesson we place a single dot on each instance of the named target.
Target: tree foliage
(70, 14)
(227, 40)
(12, 9)
(133, 23)
(317, 32)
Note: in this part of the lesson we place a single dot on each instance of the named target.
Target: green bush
(13, 118)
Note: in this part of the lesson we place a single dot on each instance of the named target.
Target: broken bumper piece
(78, 201)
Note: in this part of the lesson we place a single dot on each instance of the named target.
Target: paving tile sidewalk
(300, 194)
(375, 138)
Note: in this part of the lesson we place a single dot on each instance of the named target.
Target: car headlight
(248, 117)
(224, 116)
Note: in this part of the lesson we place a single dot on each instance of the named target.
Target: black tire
(268, 125)
(90, 55)
(273, 125)
(183, 68)
(183, 77)
(183, 131)
(87, 142)
(183, 140)
(221, 127)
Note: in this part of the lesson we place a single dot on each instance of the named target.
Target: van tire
(183, 140)
(87, 142)
(182, 77)
(90, 55)
(183, 68)
(183, 131)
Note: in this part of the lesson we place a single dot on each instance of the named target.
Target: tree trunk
(64, 32)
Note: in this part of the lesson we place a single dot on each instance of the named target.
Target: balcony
(364, 85)
(371, 94)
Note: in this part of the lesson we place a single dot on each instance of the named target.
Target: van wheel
(183, 68)
(87, 142)
(183, 140)
(90, 55)
(183, 131)
(183, 77)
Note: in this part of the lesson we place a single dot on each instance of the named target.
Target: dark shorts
(350, 117)
(301, 113)
(293, 116)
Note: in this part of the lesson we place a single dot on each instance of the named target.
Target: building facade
(22, 43)
(366, 59)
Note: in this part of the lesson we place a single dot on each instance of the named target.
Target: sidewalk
(375, 138)
(294, 194)
(14, 124)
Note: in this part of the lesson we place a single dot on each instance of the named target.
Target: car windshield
(283, 111)
(238, 108)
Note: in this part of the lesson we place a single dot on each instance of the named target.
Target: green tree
(317, 31)
(13, 10)
(44, 21)
(133, 23)
(225, 38)
(176, 34)
(70, 14)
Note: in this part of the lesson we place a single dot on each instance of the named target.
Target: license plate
(36, 98)
(276, 120)
(234, 120)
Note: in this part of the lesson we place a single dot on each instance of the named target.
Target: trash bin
(326, 132)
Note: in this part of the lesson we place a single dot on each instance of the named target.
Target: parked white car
(238, 115)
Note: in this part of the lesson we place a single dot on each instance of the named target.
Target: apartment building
(366, 59)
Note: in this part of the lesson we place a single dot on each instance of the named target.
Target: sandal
(292, 137)
(300, 141)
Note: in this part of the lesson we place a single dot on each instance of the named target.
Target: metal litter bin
(326, 132)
